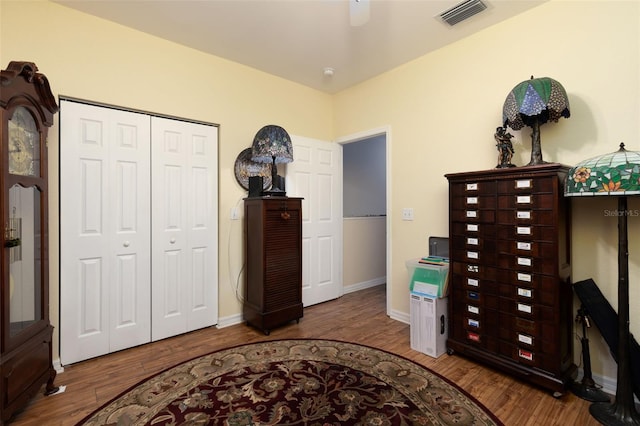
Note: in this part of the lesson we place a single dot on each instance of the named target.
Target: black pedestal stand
(622, 411)
(587, 389)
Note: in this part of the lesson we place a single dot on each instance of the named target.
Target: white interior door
(104, 230)
(316, 175)
(184, 228)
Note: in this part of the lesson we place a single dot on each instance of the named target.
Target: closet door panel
(203, 224)
(203, 309)
(184, 158)
(169, 274)
(130, 298)
(104, 230)
(84, 302)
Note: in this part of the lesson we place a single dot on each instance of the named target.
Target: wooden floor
(358, 317)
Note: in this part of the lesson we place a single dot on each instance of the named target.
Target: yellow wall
(443, 109)
(364, 251)
(89, 58)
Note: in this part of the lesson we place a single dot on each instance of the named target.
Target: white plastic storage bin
(429, 327)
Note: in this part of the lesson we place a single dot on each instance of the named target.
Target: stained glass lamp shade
(272, 144)
(532, 103)
(614, 174)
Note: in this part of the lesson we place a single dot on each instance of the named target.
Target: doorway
(365, 206)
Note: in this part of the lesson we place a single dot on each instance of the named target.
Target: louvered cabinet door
(273, 290)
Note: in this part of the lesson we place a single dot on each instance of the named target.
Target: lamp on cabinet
(272, 144)
(532, 103)
(614, 174)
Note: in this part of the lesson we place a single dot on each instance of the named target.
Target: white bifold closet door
(138, 229)
(105, 233)
(184, 227)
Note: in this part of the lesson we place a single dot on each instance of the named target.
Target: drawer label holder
(528, 355)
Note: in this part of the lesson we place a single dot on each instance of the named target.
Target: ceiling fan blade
(358, 12)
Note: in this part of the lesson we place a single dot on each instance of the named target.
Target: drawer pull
(473, 295)
(472, 241)
(473, 268)
(523, 230)
(473, 323)
(523, 246)
(525, 292)
(472, 254)
(472, 282)
(472, 187)
(473, 309)
(525, 339)
(523, 214)
(524, 277)
(524, 308)
(524, 261)
(523, 183)
(528, 355)
(472, 200)
(285, 215)
(472, 227)
(523, 199)
(473, 336)
(472, 213)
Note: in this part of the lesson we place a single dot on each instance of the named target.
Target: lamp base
(589, 392)
(274, 193)
(277, 187)
(614, 414)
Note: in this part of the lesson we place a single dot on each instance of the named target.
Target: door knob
(126, 244)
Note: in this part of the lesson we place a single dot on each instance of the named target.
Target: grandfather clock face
(24, 144)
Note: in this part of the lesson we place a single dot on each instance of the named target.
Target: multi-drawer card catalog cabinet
(510, 301)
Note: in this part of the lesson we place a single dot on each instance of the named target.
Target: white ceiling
(297, 39)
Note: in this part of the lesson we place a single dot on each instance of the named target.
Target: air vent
(462, 11)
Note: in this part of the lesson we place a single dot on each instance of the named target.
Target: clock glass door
(24, 144)
(23, 241)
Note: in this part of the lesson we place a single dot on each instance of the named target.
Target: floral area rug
(295, 382)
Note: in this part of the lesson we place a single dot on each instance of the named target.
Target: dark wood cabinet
(510, 302)
(26, 113)
(273, 233)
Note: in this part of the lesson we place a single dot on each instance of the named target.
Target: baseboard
(364, 285)
(606, 384)
(400, 316)
(58, 366)
(229, 321)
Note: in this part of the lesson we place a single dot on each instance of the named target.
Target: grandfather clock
(27, 107)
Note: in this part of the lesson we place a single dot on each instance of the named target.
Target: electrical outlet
(407, 214)
(234, 213)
